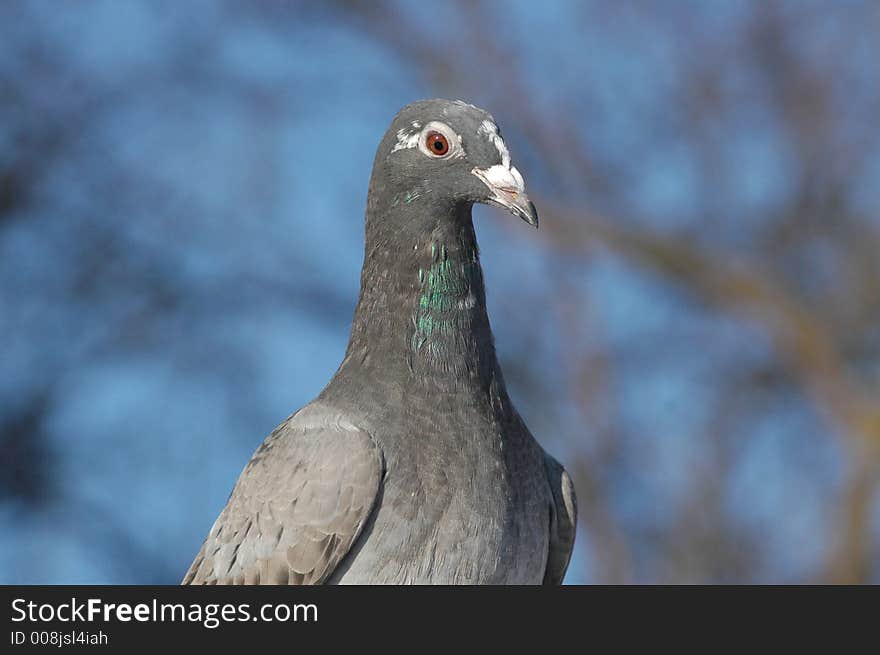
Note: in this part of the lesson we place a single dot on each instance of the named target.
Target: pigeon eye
(437, 144)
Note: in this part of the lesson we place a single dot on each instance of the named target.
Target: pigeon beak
(507, 190)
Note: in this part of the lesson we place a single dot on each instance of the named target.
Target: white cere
(501, 178)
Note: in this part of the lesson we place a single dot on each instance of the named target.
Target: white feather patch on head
(407, 138)
(466, 105)
(489, 128)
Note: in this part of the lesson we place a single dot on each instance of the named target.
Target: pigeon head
(448, 154)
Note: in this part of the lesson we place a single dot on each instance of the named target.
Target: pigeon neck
(422, 308)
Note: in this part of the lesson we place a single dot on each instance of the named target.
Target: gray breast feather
(297, 507)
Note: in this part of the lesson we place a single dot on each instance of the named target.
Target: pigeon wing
(297, 507)
(563, 519)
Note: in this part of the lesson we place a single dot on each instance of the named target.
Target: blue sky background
(179, 273)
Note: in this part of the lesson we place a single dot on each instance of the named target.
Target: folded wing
(563, 521)
(298, 506)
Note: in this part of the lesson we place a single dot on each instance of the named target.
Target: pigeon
(411, 466)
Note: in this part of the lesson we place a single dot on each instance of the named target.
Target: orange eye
(437, 144)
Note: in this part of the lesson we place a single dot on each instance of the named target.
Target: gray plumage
(411, 466)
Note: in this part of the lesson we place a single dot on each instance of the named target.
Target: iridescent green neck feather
(421, 316)
(447, 287)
